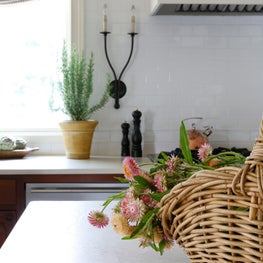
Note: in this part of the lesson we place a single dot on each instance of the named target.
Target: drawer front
(7, 192)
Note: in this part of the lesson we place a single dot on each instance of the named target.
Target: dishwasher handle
(76, 190)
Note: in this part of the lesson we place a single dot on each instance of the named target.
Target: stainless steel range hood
(206, 7)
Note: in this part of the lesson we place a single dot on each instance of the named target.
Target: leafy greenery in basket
(77, 86)
(136, 213)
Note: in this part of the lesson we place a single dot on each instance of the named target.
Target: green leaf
(143, 183)
(158, 166)
(122, 179)
(184, 144)
(164, 158)
(146, 220)
(162, 245)
(128, 238)
(118, 196)
(158, 196)
(154, 246)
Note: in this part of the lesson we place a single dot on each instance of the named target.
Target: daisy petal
(98, 219)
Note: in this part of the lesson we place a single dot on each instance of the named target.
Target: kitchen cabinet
(8, 206)
(16, 174)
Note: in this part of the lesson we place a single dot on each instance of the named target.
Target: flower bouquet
(136, 214)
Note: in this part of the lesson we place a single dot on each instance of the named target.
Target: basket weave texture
(217, 216)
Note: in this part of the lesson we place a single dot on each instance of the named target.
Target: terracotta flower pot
(77, 136)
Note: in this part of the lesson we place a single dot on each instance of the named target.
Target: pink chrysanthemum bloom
(145, 197)
(130, 168)
(160, 182)
(98, 219)
(130, 193)
(204, 151)
(129, 196)
(133, 209)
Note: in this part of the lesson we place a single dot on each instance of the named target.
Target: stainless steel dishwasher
(72, 191)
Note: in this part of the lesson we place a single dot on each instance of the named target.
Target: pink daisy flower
(132, 209)
(204, 151)
(160, 182)
(145, 197)
(98, 219)
(130, 168)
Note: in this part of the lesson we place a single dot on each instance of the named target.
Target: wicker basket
(217, 216)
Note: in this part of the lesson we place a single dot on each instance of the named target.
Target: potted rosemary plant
(75, 90)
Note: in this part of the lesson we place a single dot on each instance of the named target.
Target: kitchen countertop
(54, 232)
(62, 165)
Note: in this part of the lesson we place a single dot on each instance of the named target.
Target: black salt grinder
(125, 142)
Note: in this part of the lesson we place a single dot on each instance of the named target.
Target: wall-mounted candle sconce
(118, 87)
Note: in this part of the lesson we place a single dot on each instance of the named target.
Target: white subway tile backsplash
(250, 30)
(215, 42)
(239, 42)
(182, 66)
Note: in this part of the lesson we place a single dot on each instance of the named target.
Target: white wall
(184, 66)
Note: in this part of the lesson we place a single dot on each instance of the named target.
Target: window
(32, 35)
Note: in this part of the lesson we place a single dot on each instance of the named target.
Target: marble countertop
(53, 231)
(62, 165)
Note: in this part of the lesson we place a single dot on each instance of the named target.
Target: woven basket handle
(253, 164)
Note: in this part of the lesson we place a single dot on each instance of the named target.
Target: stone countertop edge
(62, 165)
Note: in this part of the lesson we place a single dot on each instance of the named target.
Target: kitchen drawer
(7, 192)
(7, 221)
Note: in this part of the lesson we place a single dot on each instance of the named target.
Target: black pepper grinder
(136, 135)
(125, 142)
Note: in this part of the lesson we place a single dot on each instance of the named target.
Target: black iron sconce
(118, 87)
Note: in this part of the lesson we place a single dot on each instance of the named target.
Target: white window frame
(77, 23)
